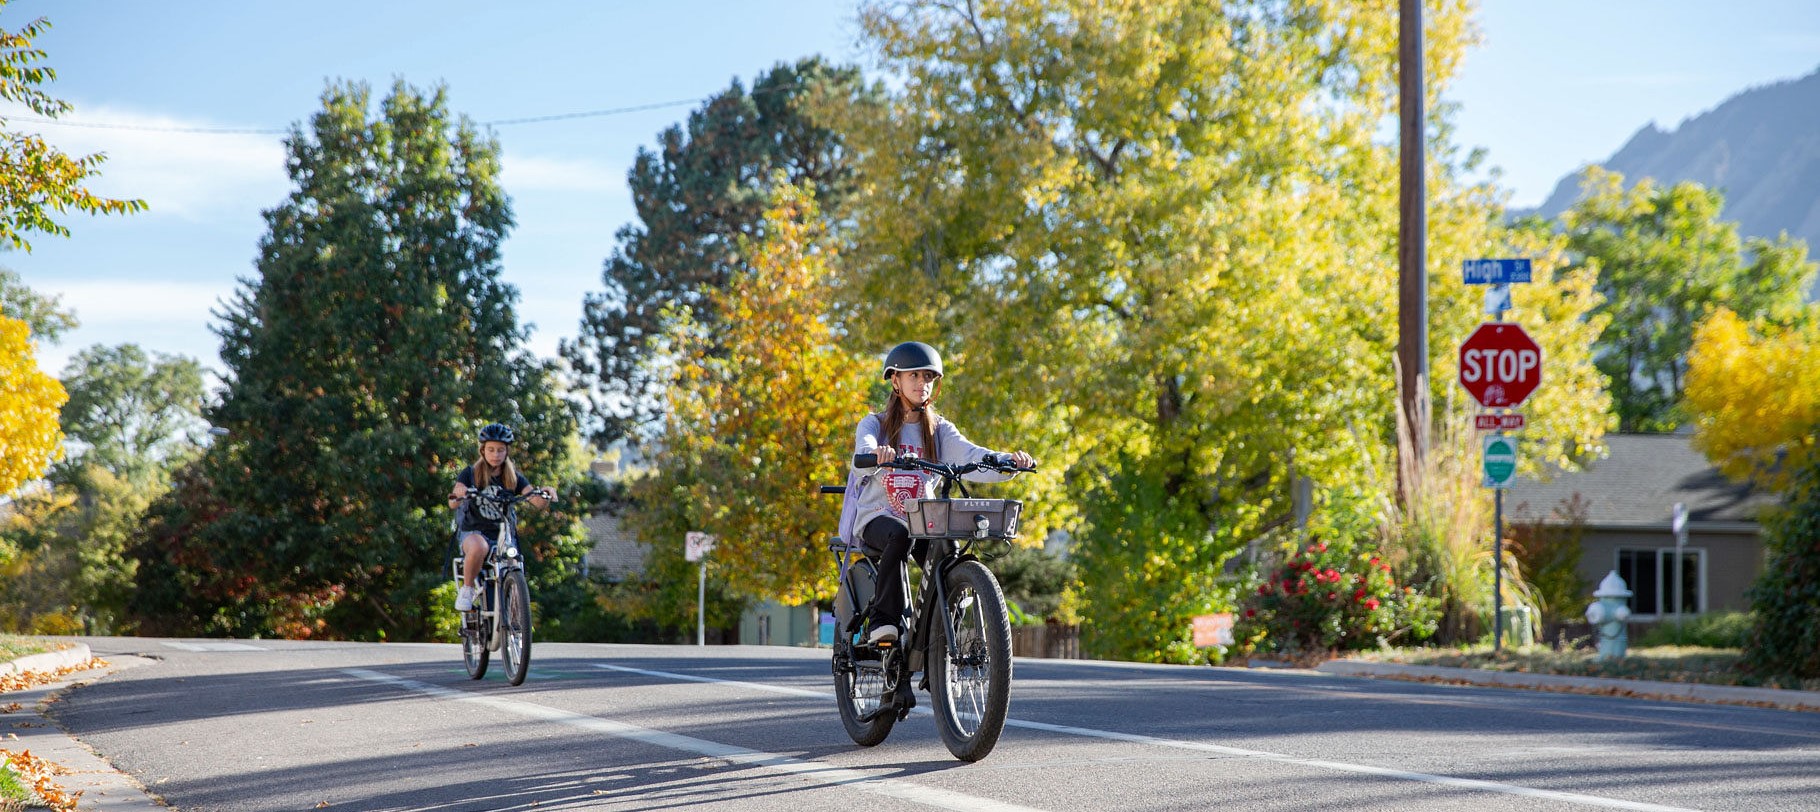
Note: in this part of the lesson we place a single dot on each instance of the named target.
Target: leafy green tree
(131, 416)
(1156, 241)
(44, 315)
(376, 338)
(1665, 259)
(36, 179)
(703, 189)
(132, 411)
(69, 573)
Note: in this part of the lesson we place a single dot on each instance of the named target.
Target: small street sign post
(696, 545)
(1500, 466)
(1678, 525)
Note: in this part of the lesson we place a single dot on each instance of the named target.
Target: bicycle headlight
(511, 552)
(981, 526)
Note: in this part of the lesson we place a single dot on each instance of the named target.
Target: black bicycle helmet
(497, 433)
(912, 355)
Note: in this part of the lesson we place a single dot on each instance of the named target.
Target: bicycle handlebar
(512, 498)
(992, 462)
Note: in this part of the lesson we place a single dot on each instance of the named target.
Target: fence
(1050, 640)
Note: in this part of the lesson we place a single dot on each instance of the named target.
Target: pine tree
(376, 337)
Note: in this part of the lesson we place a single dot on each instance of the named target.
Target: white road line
(1365, 769)
(814, 772)
(213, 646)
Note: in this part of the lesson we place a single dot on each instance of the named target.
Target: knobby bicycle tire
(515, 626)
(971, 696)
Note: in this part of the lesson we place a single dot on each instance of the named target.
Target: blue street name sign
(1495, 271)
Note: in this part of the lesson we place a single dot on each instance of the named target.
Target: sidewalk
(1640, 689)
(103, 788)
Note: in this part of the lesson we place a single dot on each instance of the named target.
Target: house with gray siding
(1625, 505)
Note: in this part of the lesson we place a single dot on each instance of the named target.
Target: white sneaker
(881, 634)
(464, 599)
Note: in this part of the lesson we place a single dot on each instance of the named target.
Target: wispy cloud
(162, 160)
(161, 316)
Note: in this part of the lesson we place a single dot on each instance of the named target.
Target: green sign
(1500, 460)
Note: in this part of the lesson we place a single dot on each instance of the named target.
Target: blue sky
(1556, 85)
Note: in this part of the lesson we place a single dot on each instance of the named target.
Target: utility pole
(1412, 247)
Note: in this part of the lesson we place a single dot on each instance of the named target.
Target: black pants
(892, 541)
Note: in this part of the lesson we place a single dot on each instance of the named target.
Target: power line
(504, 122)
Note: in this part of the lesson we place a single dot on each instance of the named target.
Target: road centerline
(810, 771)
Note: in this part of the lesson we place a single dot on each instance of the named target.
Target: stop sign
(1500, 365)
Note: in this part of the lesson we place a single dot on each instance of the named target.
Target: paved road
(278, 725)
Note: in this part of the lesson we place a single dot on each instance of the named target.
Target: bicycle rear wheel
(971, 686)
(474, 653)
(515, 604)
(859, 691)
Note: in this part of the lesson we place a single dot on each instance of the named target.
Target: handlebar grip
(836, 489)
(865, 460)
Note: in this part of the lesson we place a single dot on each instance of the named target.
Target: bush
(1785, 641)
(1713, 630)
(1330, 595)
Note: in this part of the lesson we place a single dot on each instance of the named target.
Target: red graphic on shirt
(900, 486)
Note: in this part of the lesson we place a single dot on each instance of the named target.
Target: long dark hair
(898, 412)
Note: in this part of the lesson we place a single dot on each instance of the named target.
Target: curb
(104, 788)
(1641, 689)
(48, 661)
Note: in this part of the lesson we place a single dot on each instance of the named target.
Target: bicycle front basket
(963, 518)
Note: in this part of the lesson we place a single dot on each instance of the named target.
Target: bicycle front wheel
(515, 624)
(971, 684)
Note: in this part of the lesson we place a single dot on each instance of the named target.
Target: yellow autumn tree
(1755, 393)
(762, 411)
(30, 437)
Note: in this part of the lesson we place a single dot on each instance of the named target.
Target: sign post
(1679, 525)
(1501, 366)
(1500, 466)
(696, 545)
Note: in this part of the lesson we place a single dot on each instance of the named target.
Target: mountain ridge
(1760, 147)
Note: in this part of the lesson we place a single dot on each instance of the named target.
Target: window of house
(1651, 576)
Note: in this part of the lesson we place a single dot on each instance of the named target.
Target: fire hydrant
(1608, 615)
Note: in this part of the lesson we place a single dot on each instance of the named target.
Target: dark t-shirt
(485, 515)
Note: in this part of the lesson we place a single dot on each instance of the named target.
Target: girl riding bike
(492, 474)
(909, 425)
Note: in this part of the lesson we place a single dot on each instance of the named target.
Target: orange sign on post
(1213, 630)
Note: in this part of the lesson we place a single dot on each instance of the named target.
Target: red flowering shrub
(1330, 595)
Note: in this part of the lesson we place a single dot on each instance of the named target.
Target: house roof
(1637, 485)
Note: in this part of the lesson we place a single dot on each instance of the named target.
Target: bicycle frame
(502, 557)
(942, 554)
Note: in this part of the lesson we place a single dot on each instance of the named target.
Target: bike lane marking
(1264, 755)
(812, 771)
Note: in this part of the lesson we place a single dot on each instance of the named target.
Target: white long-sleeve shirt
(886, 488)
